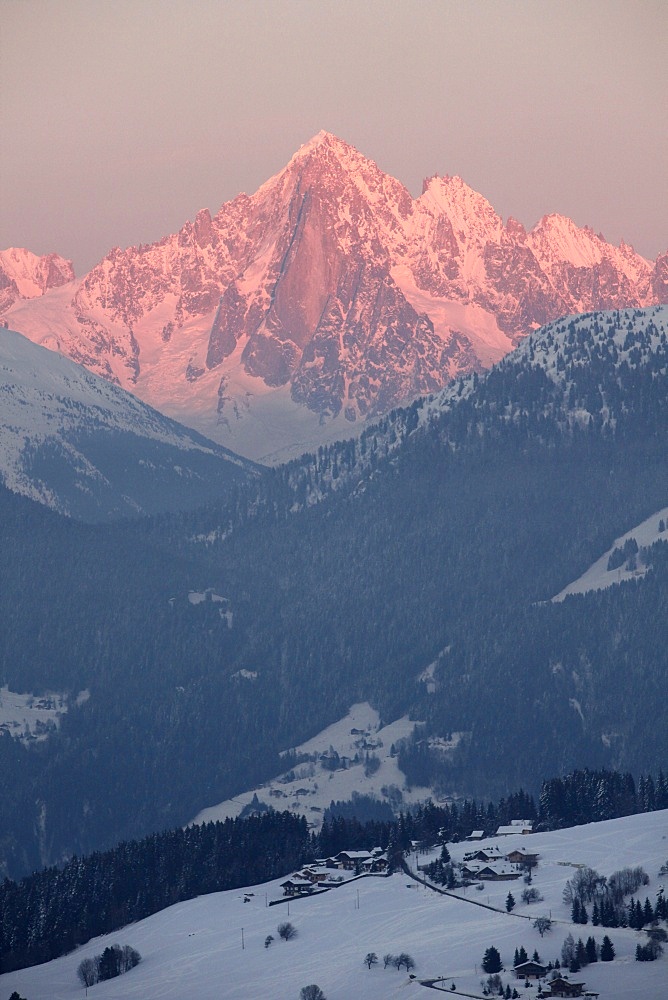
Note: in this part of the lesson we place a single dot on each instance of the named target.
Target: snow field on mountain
(251, 418)
(308, 788)
(477, 324)
(87, 447)
(599, 577)
(194, 949)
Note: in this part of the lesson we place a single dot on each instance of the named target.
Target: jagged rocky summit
(328, 297)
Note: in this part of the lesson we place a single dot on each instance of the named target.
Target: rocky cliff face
(328, 296)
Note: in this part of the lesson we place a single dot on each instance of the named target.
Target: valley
(412, 569)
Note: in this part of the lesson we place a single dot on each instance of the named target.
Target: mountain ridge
(88, 448)
(329, 296)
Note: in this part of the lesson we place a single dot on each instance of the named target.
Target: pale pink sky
(119, 119)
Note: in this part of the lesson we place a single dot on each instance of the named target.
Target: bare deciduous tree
(88, 972)
(287, 931)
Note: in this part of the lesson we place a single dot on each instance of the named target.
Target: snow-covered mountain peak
(331, 295)
(469, 212)
(323, 140)
(460, 202)
(516, 229)
(326, 147)
(24, 275)
(559, 236)
(340, 170)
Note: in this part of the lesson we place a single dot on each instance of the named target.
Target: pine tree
(648, 912)
(631, 919)
(635, 914)
(607, 950)
(491, 961)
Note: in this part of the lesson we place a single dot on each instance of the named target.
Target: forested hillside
(442, 549)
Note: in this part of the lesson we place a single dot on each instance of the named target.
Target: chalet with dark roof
(560, 987)
(296, 886)
(522, 858)
(352, 859)
(488, 854)
(530, 970)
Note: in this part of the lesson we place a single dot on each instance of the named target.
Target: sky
(120, 119)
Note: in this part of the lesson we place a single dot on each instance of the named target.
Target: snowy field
(309, 788)
(599, 577)
(194, 949)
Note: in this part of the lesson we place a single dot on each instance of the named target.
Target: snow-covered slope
(213, 947)
(88, 448)
(327, 297)
(309, 787)
(599, 576)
